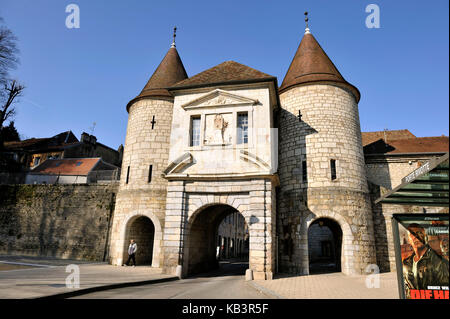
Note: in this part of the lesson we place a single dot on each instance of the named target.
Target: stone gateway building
(289, 159)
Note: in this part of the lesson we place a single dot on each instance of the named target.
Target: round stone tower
(141, 200)
(321, 167)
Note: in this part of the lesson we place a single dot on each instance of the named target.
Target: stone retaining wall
(63, 221)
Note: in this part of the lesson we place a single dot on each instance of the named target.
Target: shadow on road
(229, 267)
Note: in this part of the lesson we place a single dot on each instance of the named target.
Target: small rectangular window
(128, 174)
(195, 131)
(242, 128)
(333, 169)
(150, 169)
(304, 172)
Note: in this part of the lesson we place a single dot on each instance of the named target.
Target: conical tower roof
(169, 72)
(311, 64)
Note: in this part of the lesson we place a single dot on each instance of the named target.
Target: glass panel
(195, 133)
(242, 128)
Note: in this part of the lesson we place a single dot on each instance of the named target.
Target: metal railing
(104, 176)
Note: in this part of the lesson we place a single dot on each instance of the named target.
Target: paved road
(228, 282)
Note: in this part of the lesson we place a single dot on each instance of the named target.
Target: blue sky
(75, 77)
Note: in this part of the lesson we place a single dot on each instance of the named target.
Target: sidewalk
(47, 277)
(329, 286)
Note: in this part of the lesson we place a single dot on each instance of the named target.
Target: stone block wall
(186, 200)
(389, 171)
(144, 146)
(329, 130)
(64, 221)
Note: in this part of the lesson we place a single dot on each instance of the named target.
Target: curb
(84, 291)
(264, 290)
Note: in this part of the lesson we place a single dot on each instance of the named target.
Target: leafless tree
(9, 89)
(12, 90)
(8, 53)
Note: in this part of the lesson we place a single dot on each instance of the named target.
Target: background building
(72, 171)
(232, 238)
(24, 156)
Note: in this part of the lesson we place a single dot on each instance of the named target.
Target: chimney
(84, 138)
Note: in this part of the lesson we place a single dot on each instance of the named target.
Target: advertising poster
(422, 255)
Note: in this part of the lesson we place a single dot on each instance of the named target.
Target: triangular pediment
(219, 98)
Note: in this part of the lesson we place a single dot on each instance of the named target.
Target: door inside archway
(142, 231)
(216, 242)
(324, 246)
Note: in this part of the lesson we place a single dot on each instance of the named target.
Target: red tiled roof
(370, 137)
(312, 64)
(435, 144)
(169, 71)
(228, 71)
(67, 166)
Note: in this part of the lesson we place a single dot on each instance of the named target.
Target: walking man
(132, 253)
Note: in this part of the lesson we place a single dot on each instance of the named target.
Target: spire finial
(174, 35)
(306, 21)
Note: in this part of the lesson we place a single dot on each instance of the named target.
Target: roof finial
(306, 20)
(174, 35)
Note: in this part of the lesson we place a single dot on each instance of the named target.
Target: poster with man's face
(424, 256)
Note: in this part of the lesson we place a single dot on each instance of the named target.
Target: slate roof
(226, 72)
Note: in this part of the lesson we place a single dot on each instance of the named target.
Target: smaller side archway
(346, 259)
(142, 231)
(324, 246)
(145, 229)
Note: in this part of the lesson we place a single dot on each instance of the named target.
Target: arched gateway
(142, 231)
(324, 246)
(200, 253)
(193, 218)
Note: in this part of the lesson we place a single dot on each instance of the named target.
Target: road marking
(25, 264)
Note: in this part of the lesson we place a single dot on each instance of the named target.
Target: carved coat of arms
(220, 124)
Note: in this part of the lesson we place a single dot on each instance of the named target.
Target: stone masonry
(63, 221)
(253, 199)
(144, 146)
(329, 130)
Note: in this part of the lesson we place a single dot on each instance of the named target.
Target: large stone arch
(347, 258)
(157, 239)
(198, 202)
(253, 199)
(225, 204)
